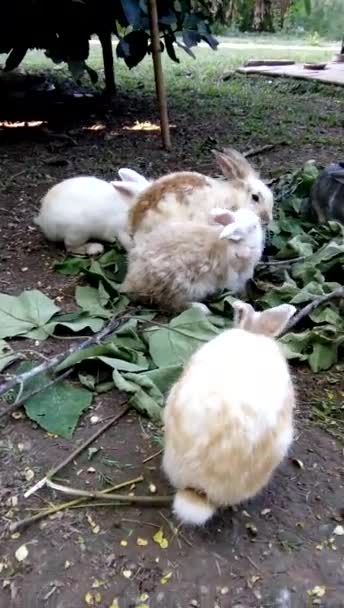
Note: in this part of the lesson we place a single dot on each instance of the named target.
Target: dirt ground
(280, 549)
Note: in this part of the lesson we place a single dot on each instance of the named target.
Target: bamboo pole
(159, 76)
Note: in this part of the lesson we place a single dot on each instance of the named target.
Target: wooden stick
(158, 74)
(135, 500)
(114, 324)
(306, 310)
(22, 523)
(261, 149)
(40, 484)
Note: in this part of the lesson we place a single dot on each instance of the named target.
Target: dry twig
(114, 324)
(306, 310)
(75, 453)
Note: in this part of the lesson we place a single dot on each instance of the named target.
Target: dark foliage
(63, 29)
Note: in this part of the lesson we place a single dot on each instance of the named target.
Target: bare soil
(278, 550)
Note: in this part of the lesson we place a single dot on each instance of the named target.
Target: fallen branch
(126, 498)
(40, 484)
(255, 151)
(22, 523)
(19, 402)
(306, 310)
(282, 262)
(114, 324)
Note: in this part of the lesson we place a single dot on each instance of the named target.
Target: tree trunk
(262, 19)
(109, 70)
(342, 49)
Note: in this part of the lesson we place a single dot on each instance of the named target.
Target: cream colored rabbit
(189, 196)
(179, 264)
(80, 209)
(229, 418)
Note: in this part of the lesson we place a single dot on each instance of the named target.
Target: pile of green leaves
(145, 357)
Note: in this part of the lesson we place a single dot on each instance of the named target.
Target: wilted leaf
(28, 311)
(57, 408)
(172, 348)
(146, 397)
(7, 355)
(93, 300)
(323, 356)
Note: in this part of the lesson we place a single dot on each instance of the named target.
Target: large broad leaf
(323, 356)
(57, 408)
(132, 11)
(175, 344)
(7, 355)
(133, 47)
(30, 311)
(93, 300)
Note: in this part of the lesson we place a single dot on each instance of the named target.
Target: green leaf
(146, 397)
(133, 47)
(169, 348)
(30, 310)
(72, 265)
(93, 300)
(164, 377)
(57, 408)
(323, 356)
(7, 355)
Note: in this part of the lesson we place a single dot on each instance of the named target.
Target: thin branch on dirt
(13, 527)
(249, 559)
(282, 262)
(22, 398)
(126, 498)
(114, 324)
(152, 456)
(255, 151)
(173, 529)
(306, 310)
(75, 453)
(12, 178)
(174, 329)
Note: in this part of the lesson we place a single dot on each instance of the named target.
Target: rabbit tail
(193, 508)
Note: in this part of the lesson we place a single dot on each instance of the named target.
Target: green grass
(247, 108)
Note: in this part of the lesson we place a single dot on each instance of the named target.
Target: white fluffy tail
(192, 508)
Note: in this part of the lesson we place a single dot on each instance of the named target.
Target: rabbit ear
(243, 314)
(222, 216)
(129, 175)
(127, 189)
(272, 322)
(232, 232)
(234, 165)
(240, 161)
(228, 168)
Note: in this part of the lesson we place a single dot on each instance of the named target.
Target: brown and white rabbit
(229, 418)
(178, 265)
(189, 196)
(80, 209)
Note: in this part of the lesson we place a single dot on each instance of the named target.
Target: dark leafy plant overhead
(63, 29)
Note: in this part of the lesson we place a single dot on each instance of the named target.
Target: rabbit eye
(255, 198)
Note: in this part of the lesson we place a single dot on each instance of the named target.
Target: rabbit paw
(94, 248)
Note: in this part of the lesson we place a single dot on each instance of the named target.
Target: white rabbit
(189, 196)
(80, 209)
(229, 418)
(180, 264)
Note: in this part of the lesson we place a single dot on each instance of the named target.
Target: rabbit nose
(265, 217)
